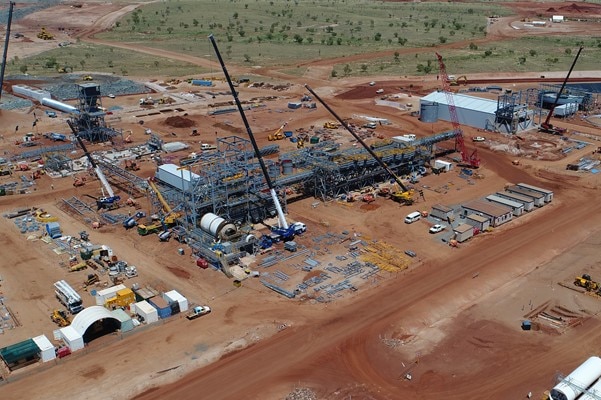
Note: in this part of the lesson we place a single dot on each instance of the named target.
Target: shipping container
(162, 307)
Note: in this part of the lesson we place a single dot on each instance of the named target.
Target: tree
(23, 68)
(473, 46)
(532, 53)
(247, 58)
(396, 56)
(195, 22)
(347, 69)
(378, 37)
(170, 30)
(83, 63)
(364, 68)
(334, 74)
(156, 64)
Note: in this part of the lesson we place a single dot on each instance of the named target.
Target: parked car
(478, 139)
(410, 253)
(111, 96)
(437, 228)
(370, 125)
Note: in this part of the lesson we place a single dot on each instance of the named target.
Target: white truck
(207, 146)
(198, 311)
(68, 296)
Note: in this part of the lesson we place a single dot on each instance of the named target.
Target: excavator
(278, 134)
(404, 195)
(586, 282)
(167, 221)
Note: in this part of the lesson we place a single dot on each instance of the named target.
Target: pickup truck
(207, 146)
(198, 311)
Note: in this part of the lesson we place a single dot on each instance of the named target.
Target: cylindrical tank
(583, 376)
(287, 167)
(129, 223)
(594, 392)
(428, 112)
(216, 226)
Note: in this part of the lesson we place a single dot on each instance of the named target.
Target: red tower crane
(471, 160)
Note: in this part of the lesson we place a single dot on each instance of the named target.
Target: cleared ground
(452, 320)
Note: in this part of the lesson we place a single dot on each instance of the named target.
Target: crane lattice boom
(472, 159)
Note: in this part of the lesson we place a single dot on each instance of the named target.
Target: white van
(411, 218)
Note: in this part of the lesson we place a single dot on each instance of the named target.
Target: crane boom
(281, 218)
(358, 138)
(166, 206)
(104, 201)
(6, 39)
(471, 160)
(547, 126)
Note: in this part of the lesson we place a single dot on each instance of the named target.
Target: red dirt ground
(452, 320)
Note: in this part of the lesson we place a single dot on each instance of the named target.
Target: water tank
(428, 112)
(216, 226)
(582, 377)
(287, 167)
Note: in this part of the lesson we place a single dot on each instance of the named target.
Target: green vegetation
(88, 57)
(290, 33)
(539, 53)
(264, 32)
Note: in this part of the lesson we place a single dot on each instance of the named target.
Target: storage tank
(428, 112)
(287, 167)
(582, 377)
(216, 226)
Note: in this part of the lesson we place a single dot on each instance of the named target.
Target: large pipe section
(281, 218)
(57, 105)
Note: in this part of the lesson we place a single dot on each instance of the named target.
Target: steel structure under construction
(89, 120)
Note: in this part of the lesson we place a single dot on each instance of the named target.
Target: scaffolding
(514, 113)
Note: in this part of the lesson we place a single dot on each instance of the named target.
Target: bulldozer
(44, 34)
(60, 318)
(92, 279)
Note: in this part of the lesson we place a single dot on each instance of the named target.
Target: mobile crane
(167, 221)
(469, 160)
(285, 231)
(546, 126)
(405, 195)
(277, 135)
(104, 202)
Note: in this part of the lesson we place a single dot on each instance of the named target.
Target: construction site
(392, 237)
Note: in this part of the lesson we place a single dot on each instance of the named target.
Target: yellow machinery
(462, 80)
(43, 217)
(277, 135)
(123, 298)
(45, 35)
(92, 279)
(586, 282)
(331, 125)
(88, 78)
(60, 318)
(168, 220)
(403, 197)
(300, 143)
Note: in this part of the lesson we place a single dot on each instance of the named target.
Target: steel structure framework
(89, 121)
(514, 112)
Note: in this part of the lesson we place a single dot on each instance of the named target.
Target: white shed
(557, 18)
(463, 232)
(72, 338)
(174, 296)
(47, 350)
(146, 311)
(443, 165)
(103, 295)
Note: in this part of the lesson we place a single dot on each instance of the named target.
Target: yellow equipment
(43, 217)
(331, 125)
(277, 135)
(92, 279)
(586, 282)
(45, 35)
(405, 197)
(88, 78)
(168, 220)
(60, 318)
(300, 144)
(123, 298)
